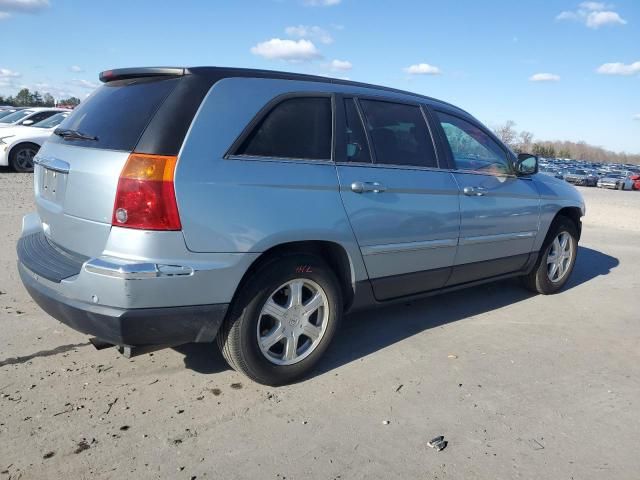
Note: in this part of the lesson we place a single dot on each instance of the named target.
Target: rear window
(297, 128)
(117, 113)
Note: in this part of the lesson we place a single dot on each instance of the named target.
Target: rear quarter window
(296, 128)
(117, 113)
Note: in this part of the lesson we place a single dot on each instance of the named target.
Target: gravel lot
(521, 386)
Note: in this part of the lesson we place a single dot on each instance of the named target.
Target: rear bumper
(134, 327)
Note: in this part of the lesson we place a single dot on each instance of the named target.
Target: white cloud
(6, 73)
(84, 83)
(289, 50)
(76, 69)
(567, 16)
(422, 69)
(321, 3)
(594, 6)
(310, 31)
(618, 68)
(636, 116)
(544, 77)
(598, 19)
(593, 15)
(340, 65)
(8, 7)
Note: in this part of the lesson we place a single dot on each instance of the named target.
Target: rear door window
(399, 134)
(117, 113)
(297, 128)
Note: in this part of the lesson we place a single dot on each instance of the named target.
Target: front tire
(283, 320)
(21, 157)
(556, 259)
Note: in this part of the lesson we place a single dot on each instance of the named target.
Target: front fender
(555, 195)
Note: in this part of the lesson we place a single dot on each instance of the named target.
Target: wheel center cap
(293, 315)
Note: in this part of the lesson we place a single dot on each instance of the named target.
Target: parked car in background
(4, 111)
(635, 178)
(350, 196)
(19, 145)
(616, 180)
(581, 177)
(29, 116)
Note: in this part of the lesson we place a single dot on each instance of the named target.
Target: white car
(18, 144)
(616, 180)
(29, 116)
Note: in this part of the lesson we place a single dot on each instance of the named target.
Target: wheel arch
(572, 213)
(21, 143)
(334, 254)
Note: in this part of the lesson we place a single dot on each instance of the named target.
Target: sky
(561, 69)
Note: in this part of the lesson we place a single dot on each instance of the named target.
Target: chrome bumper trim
(111, 267)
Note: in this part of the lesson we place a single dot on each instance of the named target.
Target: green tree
(73, 101)
(23, 98)
(48, 100)
(36, 99)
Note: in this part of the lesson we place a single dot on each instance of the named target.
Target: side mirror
(526, 164)
(26, 123)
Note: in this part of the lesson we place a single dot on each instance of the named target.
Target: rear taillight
(146, 198)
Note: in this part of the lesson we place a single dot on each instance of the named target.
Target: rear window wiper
(69, 134)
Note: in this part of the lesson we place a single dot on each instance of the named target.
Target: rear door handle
(365, 187)
(474, 191)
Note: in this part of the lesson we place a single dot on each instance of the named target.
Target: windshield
(4, 113)
(53, 121)
(16, 116)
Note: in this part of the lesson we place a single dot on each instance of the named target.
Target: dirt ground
(521, 386)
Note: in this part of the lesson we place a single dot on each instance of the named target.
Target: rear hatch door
(76, 175)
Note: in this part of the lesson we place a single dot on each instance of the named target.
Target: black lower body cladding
(133, 327)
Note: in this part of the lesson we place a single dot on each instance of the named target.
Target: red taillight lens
(145, 198)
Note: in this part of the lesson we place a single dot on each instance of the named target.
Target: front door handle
(474, 191)
(364, 187)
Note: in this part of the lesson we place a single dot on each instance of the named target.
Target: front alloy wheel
(556, 258)
(560, 257)
(22, 158)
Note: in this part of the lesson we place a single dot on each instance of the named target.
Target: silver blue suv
(181, 205)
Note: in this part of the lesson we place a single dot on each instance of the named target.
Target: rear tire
(21, 157)
(281, 347)
(555, 260)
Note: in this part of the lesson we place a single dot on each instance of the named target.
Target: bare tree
(523, 142)
(507, 133)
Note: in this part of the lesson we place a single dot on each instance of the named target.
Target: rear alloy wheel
(21, 157)
(282, 320)
(556, 259)
(293, 321)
